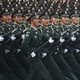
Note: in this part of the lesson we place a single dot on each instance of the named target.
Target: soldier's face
(18, 19)
(75, 20)
(45, 22)
(55, 21)
(35, 22)
(6, 18)
(26, 18)
(65, 20)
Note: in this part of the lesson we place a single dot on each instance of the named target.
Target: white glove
(65, 50)
(44, 54)
(1, 39)
(23, 36)
(33, 54)
(51, 40)
(56, 53)
(77, 50)
(18, 50)
(73, 38)
(6, 51)
(13, 38)
(62, 40)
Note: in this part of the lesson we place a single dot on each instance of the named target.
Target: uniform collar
(75, 24)
(55, 25)
(64, 24)
(16, 23)
(34, 28)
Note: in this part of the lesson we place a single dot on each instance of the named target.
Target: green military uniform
(4, 68)
(70, 57)
(57, 54)
(10, 58)
(48, 60)
(31, 42)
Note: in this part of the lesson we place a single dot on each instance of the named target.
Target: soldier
(4, 68)
(1, 76)
(6, 18)
(70, 57)
(20, 55)
(48, 31)
(26, 15)
(9, 50)
(55, 23)
(58, 56)
(31, 42)
(75, 25)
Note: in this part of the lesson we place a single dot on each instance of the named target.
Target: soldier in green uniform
(20, 55)
(55, 23)
(1, 76)
(26, 15)
(57, 54)
(67, 49)
(6, 19)
(31, 42)
(47, 59)
(4, 68)
(70, 57)
(75, 24)
(9, 50)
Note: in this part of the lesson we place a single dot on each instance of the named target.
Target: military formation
(40, 40)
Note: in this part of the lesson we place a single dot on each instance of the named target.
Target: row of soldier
(39, 47)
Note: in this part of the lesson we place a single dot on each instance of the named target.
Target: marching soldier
(31, 42)
(20, 55)
(47, 59)
(1, 76)
(58, 56)
(4, 68)
(75, 25)
(8, 55)
(70, 57)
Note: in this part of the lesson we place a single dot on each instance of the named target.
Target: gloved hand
(23, 36)
(77, 50)
(73, 38)
(51, 40)
(33, 54)
(62, 40)
(7, 51)
(13, 38)
(65, 50)
(1, 38)
(44, 55)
